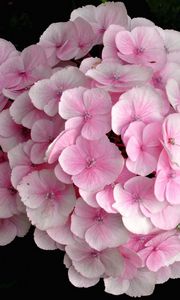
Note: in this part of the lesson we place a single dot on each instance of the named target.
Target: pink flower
(105, 197)
(46, 93)
(171, 137)
(161, 77)
(160, 251)
(142, 284)
(85, 37)
(143, 147)
(92, 164)
(115, 77)
(102, 16)
(11, 133)
(42, 138)
(110, 51)
(17, 225)
(20, 162)
(97, 227)
(138, 104)
(135, 202)
(91, 263)
(20, 72)
(48, 201)
(23, 111)
(132, 262)
(59, 42)
(167, 184)
(143, 46)
(89, 110)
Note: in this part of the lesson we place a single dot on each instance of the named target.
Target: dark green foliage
(166, 13)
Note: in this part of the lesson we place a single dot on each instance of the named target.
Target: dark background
(26, 270)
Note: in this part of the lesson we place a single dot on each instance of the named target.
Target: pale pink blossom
(142, 46)
(105, 197)
(161, 77)
(11, 133)
(143, 147)
(92, 164)
(20, 162)
(91, 263)
(132, 262)
(167, 183)
(97, 227)
(86, 37)
(102, 16)
(87, 109)
(48, 202)
(20, 72)
(46, 93)
(160, 251)
(59, 42)
(43, 133)
(23, 111)
(135, 202)
(138, 104)
(110, 51)
(142, 284)
(115, 77)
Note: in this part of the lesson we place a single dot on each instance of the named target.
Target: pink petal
(43, 241)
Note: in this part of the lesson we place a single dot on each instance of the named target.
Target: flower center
(157, 81)
(11, 190)
(99, 217)
(25, 132)
(94, 254)
(87, 116)
(90, 162)
(171, 141)
(59, 93)
(139, 51)
(135, 197)
(50, 196)
(22, 74)
(116, 76)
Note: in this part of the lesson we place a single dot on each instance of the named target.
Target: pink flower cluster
(90, 147)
